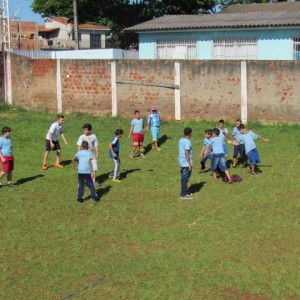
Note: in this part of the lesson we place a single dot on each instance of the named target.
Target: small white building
(57, 34)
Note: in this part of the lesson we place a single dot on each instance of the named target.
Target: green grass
(141, 241)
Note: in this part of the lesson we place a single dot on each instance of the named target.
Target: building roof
(220, 20)
(262, 7)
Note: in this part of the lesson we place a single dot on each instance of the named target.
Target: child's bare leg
(253, 168)
(228, 175)
(45, 157)
(234, 161)
(133, 149)
(9, 177)
(2, 174)
(57, 159)
(214, 176)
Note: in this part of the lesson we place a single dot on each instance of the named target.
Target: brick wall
(209, 89)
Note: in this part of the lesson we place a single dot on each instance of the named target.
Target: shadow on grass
(103, 177)
(100, 192)
(196, 187)
(160, 141)
(124, 174)
(66, 162)
(24, 180)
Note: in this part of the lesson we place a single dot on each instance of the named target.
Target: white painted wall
(88, 54)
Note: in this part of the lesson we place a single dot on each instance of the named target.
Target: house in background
(56, 34)
(271, 32)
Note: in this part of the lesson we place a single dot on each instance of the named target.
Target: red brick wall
(34, 83)
(86, 86)
(209, 89)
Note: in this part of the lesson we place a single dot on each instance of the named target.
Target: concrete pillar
(114, 100)
(177, 92)
(7, 80)
(58, 87)
(244, 93)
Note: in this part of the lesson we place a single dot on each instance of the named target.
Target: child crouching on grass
(85, 169)
(204, 151)
(248, 137)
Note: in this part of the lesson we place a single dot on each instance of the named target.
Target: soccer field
(238, 241)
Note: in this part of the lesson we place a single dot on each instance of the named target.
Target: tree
(120, 14)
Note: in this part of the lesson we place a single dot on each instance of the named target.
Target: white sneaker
(186, 197)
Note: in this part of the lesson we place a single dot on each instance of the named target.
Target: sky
(26, 13)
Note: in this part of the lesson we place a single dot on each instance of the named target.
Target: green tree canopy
(119, 14)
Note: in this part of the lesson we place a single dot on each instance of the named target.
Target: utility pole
(76, 35)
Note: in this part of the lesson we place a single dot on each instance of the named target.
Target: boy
(223, 134)
(154, 123)
(238, 149)
(137, 130)
(186, 162)
(6, 156)
(114, 148)
(218, 155)
(206, 143)
(85, 169)
(248, 137)
(56, 129)
(92, 140)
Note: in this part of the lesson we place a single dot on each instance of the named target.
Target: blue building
(252, 32)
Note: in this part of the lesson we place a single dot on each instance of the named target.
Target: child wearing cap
(154, 122)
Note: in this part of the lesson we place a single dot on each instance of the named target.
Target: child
(85, 169)
(137, 130)
(114, 148)
(6, 156)
(206, 143)
(223, 134)
(186, 162)
(248, 137)
(92, 140)
(218, 155)
(52, 143)
(154, 123)
(238, 149)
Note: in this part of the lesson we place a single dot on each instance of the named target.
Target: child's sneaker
(142, 155)
(116, 180)
(44, 167)
(158, 149)
(187, 197)
(253, 174)
(58, 166)
(96, 183)
(80, 200)
(130, 155)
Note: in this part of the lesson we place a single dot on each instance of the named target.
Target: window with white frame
(235, 48)
(296, 48)
(180, 49)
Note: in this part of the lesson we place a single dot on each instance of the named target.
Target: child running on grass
(218, 159)
(85, 168)
(137, 131)
(114, 149)
(185, 158)
(6, 156)
(248, 137)
(154, 123)
(52, 143)
(92, 140)
(204, 151)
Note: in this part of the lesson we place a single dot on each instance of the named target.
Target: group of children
(215, 149)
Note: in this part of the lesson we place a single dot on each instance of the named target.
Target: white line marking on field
(292, 165)
(192, 224)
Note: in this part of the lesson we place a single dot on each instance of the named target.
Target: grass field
(141, 241)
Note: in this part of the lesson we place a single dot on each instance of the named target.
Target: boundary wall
(265, 91)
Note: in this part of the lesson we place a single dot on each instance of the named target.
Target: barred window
(296, 48)
(180, 49)
(235, 48)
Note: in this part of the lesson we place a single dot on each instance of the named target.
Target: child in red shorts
(137, 130)
(6, 157)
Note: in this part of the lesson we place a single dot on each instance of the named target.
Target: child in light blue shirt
(154, 123)
(204, 151)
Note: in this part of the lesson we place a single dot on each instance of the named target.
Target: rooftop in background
(220, 20)
(262, 7)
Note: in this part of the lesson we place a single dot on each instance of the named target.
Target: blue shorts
(253, 157)
(155, 132)
(240, 149)
(218, 160)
